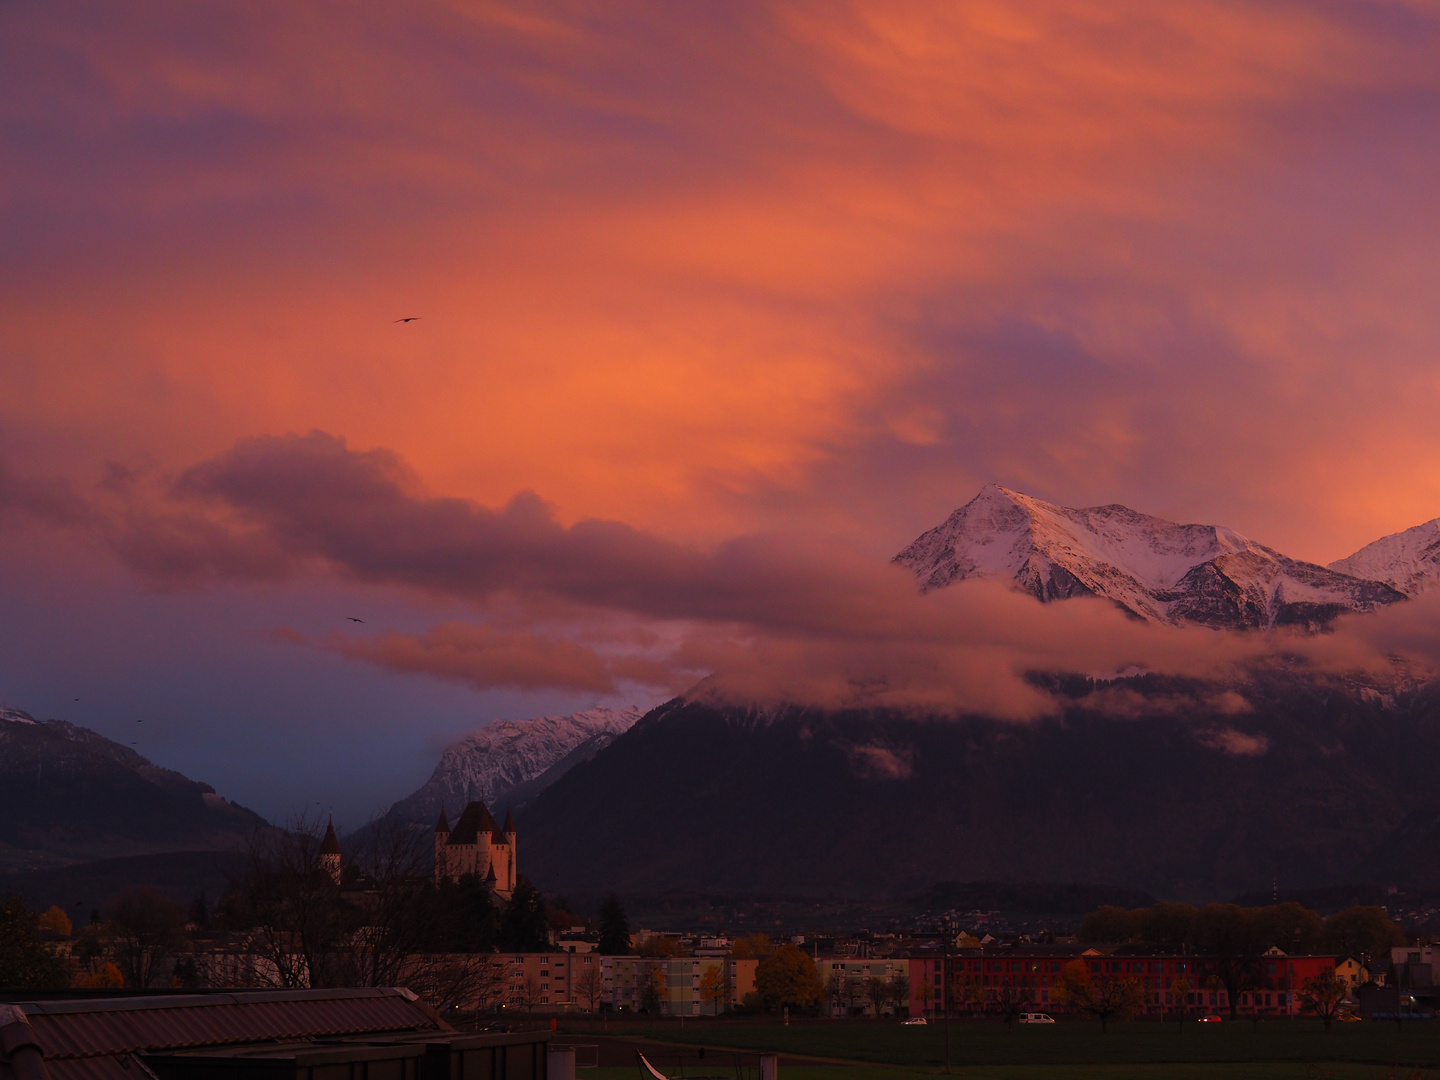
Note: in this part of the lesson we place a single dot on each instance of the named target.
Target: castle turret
(509, 831)
(330, 853)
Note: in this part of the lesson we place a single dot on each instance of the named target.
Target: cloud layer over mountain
(594, 605)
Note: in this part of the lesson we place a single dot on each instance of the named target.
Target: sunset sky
(719, 304)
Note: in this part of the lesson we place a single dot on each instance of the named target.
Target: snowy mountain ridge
(1407, 561)
(1155, 569)
(503, 755)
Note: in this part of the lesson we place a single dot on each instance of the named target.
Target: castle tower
(330, 853)
(509, 833)
(442, 837)
(475, 846)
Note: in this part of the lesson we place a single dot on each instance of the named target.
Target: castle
(477, 846)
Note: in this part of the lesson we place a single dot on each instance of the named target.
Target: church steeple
(330, 853)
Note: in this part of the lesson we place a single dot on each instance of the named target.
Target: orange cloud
(701, 271)
(708, 278)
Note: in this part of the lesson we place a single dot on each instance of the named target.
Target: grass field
(1290, 1071)
(1138, 1051)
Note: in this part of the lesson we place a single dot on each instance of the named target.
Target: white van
(1036, 1018)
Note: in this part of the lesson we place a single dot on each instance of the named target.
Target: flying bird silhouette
(409, 318)
(352, 618)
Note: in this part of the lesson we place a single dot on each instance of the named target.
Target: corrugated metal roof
(94, 1040)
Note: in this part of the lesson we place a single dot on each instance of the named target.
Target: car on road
(1211, 1019)
(914, 1020)
(1036, 1018)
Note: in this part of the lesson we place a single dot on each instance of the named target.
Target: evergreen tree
(614, 928)
(459, 916)
(525, 925)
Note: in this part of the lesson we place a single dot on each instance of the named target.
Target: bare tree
(462, 982)
(290, 905)
(1011, 1001)
(877, 993)
(900, 991)
(147, 929)
(1180, 991)
(591, 984)
(966, 990)
(388, 925)
(529, 990)
(854, 991)
(309, 930)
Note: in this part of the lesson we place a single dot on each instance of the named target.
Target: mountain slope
(522, 795)
(1146, 783)
(1155, 569)
(1407, 561)
(68, 793)
(503, 755)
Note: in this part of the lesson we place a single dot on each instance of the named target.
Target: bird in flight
(352, 618)
(409, 318)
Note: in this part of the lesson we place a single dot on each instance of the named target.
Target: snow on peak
(1155, 569)
(504, 754)
(1407, 561)
(16, 716)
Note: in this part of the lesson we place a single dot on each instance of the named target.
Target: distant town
(473, 937)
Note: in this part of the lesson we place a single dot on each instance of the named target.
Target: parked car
(1036, 1018)
(1211, 1019)
(915, 1020)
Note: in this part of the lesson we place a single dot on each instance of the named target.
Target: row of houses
(975, 979)
(921, 984)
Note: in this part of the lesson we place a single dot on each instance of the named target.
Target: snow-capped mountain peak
(1155, 569)
(506, 754)
(1407, 561)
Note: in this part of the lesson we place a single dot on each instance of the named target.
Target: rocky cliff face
(1155, 569)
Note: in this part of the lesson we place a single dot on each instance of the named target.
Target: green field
(1134, 1051)
(1292, 1071)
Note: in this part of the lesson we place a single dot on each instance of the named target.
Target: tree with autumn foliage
(754, 947)
(787, 977)
(26, 962)
(1323, 995)
(1105, 997)
(715, 989)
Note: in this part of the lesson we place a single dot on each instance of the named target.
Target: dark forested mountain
(1143, 783)
(68, 793)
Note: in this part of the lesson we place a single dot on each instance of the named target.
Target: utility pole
(945, 982)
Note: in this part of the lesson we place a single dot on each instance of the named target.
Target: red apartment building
(1036, 970)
